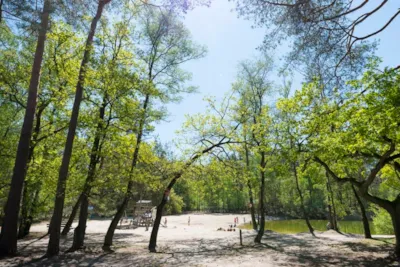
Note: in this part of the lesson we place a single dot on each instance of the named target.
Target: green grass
(299, 226)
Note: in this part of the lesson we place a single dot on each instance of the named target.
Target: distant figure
(244, 219)
(165, 221)
(189, 221)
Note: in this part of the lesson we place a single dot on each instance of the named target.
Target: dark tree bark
(26, 217)
(32, 210)
(261, 201)
(128, 194)
(79, 233)
(160, 207)
(157, 221)
(395, 215)
(71, 217)
(330, 217)
(392, 207)
(8, 238)
(252, 208)
(367, 231)
(24, 221)
(331, 206)
(303, 207)
(55, 224)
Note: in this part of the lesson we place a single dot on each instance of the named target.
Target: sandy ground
(200, 244)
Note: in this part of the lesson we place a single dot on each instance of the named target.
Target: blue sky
(230, 39)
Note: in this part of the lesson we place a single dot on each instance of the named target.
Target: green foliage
(382, 221)
(175, 204)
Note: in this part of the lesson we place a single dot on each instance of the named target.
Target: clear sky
(230, 39)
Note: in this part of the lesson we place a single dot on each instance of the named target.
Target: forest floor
(200, 244)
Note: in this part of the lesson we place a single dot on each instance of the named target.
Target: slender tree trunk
(8, 238)
(22, 230)
(25, 227)
(252, 208)
(160, 207)
(120, 211)
(261, 201)
(26, 218)
(156, 226)
(332, 208)
(114, 223)
(367, 231)
(310, 192)
(330, 215)
(71, 217)
(305, 214)
(55, 224)
(79, 233)
(32, 211)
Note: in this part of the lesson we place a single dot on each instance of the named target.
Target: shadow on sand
(278, 249)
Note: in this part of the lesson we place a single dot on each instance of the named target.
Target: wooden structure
(141, 213)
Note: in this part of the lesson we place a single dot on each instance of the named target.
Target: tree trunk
(367, 231)
(22, 230)
(8, 238)
(252, 208)
(156, 226)
(395, 215)
(26, 216)
(111, 229)
(310, 192)
(305, 214)
(330, 216)
(54, 241)
(160, 207)
(154, 232)
(32, 211)
(71, 217)
(261, 202)
(79, 233)
(80, 230)
(114, 223)
(332, 208)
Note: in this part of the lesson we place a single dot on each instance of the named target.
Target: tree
(288, 141)
(324, 34)
(114, 76)
(210, 138)
(55, 224)
(367, 231)
(253, 87)
(8, 239)
(57, 72)
(166, 44)
(355, 141)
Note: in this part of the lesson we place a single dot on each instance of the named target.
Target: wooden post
(241, 240)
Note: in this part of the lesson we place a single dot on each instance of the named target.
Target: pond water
(298, 226)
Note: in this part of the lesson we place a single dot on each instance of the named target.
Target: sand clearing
(200, 244)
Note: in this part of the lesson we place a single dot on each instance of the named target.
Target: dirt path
(200, 244)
